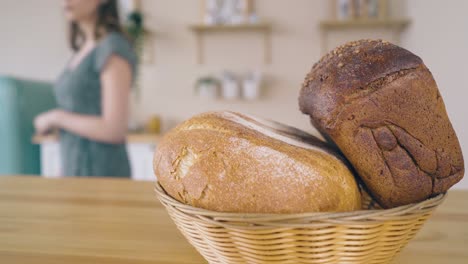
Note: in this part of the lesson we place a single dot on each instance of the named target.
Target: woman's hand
(48, 121)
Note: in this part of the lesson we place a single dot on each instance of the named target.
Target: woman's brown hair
(107, 21)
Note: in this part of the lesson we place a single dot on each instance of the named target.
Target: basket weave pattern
(367, 236)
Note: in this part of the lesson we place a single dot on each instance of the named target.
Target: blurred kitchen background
(202, 55)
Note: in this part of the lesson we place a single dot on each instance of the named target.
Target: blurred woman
(92, 92)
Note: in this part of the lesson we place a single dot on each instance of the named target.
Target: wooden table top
(97, 220)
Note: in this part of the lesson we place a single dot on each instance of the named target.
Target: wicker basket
(367, 236)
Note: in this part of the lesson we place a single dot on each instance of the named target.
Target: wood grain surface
(102, 220)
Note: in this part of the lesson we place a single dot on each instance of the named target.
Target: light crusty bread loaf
(381, 106)
(228, 162)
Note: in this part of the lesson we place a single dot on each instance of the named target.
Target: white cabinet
(140, 155)
(50, 159)
(141, 160)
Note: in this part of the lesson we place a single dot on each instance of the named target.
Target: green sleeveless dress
(78, 90)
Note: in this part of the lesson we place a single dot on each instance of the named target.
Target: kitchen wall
(32, 44)
(295, 45)
(32, 39)
(439, 34)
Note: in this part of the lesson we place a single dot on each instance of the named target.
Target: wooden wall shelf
(395, 25)
(263, 28)
(365, 23)
(235, 27)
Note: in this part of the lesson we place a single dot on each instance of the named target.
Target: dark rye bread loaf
(381, 106)
(229, 162)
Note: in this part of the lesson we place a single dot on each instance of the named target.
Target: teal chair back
(20, 101)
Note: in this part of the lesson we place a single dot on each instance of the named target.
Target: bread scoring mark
(182, 163)
(180, 167)
(382, 156)
(184, 196)
(423, 156)
(203, 192)
(281, 132)
(405, 146)
(278, 127)
(270, 129)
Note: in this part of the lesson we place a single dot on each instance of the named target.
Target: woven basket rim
(409, 210)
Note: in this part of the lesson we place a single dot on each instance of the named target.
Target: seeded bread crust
(381, 106)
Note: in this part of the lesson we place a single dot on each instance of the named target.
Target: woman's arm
(111, 126)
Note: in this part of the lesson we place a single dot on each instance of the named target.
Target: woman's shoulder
(115, 39)
(118, 44)
(118, 36)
